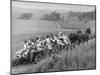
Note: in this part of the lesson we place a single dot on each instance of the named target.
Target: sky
(67, 7)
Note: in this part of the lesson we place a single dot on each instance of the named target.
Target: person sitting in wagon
(31, 47)
(22, 51)
(49, 43)
(60, 39)
(39, 44)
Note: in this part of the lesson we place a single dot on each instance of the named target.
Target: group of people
(43, 43)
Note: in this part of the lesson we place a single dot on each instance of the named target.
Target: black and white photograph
(52, 37)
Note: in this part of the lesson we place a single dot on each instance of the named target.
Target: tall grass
(68, 63)
(77, 59)
(80, 58)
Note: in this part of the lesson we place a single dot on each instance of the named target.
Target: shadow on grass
(20, 61)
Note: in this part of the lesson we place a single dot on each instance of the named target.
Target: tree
(53, 16)
(26, 16)
(56, 15)
(87, 16)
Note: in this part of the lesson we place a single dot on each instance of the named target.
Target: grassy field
(82, 57)
(79, 58)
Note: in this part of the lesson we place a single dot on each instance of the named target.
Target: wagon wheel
(38, 57)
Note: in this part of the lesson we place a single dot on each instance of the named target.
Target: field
(27, 29)
(82, 57)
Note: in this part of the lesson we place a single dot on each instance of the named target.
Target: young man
(38, 44)
(49, 44)
(60, 39)
(30, 45)
(63, 38)
(21, 52)
(66, 39)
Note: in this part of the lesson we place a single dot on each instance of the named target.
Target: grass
(71, 60)
(80, 58)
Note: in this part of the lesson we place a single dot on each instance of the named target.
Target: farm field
(34, 26)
